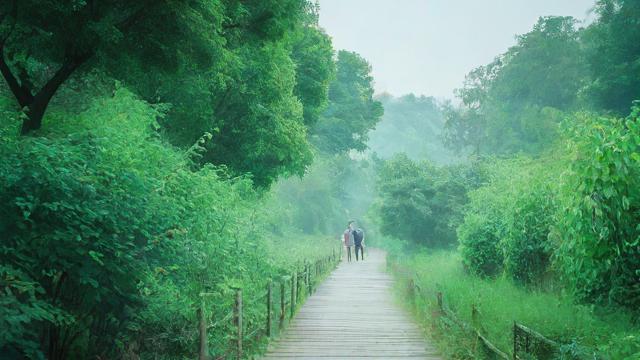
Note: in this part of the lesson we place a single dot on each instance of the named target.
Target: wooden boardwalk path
(353, 315)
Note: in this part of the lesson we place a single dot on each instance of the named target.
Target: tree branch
(70, 64)
(19, 89)
(40, 101)
(132, 19)
(21, 92)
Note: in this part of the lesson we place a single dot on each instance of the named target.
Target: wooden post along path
(352, 314)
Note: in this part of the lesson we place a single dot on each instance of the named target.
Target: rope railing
(292, 289)
(526, 342)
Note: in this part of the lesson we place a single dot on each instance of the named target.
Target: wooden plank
(352, 314)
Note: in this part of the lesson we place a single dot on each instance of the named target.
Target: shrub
(479, 244)
(526, 248)
(508, 220)
(420, 202)
(109, 235)
(598, 223)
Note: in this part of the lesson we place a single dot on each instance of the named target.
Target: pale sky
(427, 46)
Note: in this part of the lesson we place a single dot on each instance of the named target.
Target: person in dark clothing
(358, 240)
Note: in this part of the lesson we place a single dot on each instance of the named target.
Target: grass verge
(587, 332)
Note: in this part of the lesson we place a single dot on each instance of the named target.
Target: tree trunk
(22, 94)
(37, 104)
(40, 101)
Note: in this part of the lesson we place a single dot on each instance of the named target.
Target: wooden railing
(527, 343)
(299, 283)
(530, 342)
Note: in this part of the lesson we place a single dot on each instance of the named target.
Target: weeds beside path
(586, 331)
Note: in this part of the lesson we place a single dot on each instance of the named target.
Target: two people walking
(353, 237)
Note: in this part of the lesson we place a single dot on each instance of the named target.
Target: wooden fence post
(202, 327)
(309, 279)
(237, 309)
(282, 304)
(515, 341)
(411, 289)
(293, 293)
(475, 320)
(269, 308)
(305, 279)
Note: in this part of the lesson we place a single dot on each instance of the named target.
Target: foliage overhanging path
(353, 315)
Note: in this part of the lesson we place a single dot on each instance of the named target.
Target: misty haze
(320, 179)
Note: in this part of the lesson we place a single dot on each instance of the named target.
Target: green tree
(37, 53)
(252, 74)
(259, 127)
(254, 96)
(515, 102)
(312, 53)
(545, 68)
(352, 110)
(508, 219)
(613, 55)
(422, 203)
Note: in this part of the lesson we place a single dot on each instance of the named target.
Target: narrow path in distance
(353, 315)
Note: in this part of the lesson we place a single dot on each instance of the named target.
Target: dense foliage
(516, 102)
(352, 110)
(578, 213)
(420, 202)
(239, 71)
(508, 220)
(93, 214)
(566, 215)
(553, 203)
(154, 150)
(155, 134)
(512, 103)
(598, 228)
(612, 51)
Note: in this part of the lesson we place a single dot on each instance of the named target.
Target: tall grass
(588, 331)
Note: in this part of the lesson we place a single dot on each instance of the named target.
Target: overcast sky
(427, 46)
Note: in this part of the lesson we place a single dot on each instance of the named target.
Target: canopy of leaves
(598, 227)
(613, 54)
(422, 203)
(352, 110)
(508, 219)
(253, 74)
(512, 104)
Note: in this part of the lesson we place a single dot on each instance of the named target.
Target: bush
(109, 235)
(526, 246)
(598, 225)
(420, 202)
(508, 220)
(479, 244)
